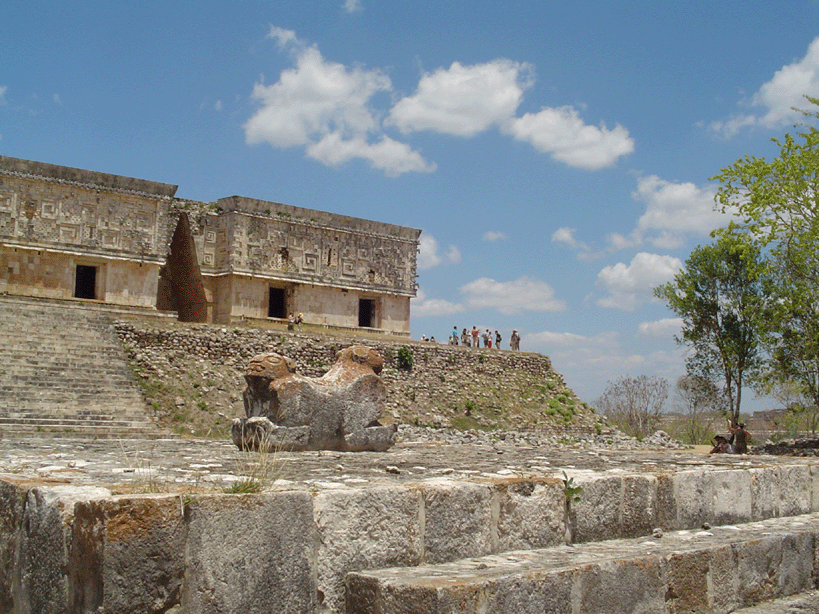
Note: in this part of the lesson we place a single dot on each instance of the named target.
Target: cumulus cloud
(325, 107)
(676, 208)
(565, 235)
(777, 97)
(352, 6)
(524, 294)
(463, 100)
(561, 133)
(565, 339)
(494, 235)
(428, 256)
(330, 109)
(423, 306)
(667, 327)
(630, 285)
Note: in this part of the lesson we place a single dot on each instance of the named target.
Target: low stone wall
(445, 385)
(79, 549)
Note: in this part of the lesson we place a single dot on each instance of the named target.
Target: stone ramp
(718, 570)
(64, 372)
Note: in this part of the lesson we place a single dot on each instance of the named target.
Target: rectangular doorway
(366, 313)
(277, 303)
(85, 282)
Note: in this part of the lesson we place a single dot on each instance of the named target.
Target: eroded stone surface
(338, 411)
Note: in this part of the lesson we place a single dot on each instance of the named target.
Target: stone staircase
(63, 373)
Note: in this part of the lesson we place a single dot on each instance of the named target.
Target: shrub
(405, 358)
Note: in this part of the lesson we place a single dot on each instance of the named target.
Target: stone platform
(145, 526)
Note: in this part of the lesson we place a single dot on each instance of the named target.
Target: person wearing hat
(722, 446)
(514, 340)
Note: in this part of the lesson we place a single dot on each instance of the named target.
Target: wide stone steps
(715, 570)
(63, 370)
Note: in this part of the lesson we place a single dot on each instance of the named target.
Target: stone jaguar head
(269, 366)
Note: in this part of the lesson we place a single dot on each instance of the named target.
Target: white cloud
(463, 100)
(561, 133)
(494, 235)
(573, 340)
(3, 90)
(676, 208)
(775, 98)
(57, 100)
(217, 106)
(524, 294)
(352, 6)
(421, 306)
(631, 285)
(565, 235)
(428, 256)
(325, 107)
(667, 327)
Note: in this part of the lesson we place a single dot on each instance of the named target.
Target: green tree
(721, 294)
(778, 203)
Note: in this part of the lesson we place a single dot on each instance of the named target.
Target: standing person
(487, 339)
(514, 341)
(740, 437)
(498, 340)
(454, 337)
(465, 338)
(475, 341)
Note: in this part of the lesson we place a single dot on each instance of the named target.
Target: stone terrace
(481, 526)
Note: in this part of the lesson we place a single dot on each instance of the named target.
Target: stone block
(794, 490)
(457, 520)
(764, 492)
(639, 510)
(250, 554)
(43, 561)
(128, 554)
(732, 496)
(775, 565)
(666, 502)
(687, 589)
(597, 515)
(633, 585)
(814, 490)
(364, 529)
(724, 579)
(531, 514)
(694, 493)
(12, 498)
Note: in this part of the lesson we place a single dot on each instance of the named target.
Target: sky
(556, 155)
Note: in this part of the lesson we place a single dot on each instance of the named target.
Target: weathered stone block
(128, 554)
(457, 520)
(794, 490)
(774, 566)
(364, 529)
(597, 515)
(764, 492)
(531, 514)
(634, 585)
(12, 498)
(686, 589)
(814, 491)
(250, 554)
(724, 579)
(732, 497)
(694, 492)
(43, 561)
(639, 511)
(666, 502)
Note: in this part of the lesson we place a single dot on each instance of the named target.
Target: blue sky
(556, 155)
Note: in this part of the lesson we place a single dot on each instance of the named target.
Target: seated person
(722, 446)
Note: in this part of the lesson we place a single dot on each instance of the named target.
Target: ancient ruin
(338, 411)
(68, 233)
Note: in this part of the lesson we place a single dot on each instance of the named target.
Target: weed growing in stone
(570, 490)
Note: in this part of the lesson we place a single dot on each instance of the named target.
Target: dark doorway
(85, 285)
(366, 312)
(181, 288)
(277, 303)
